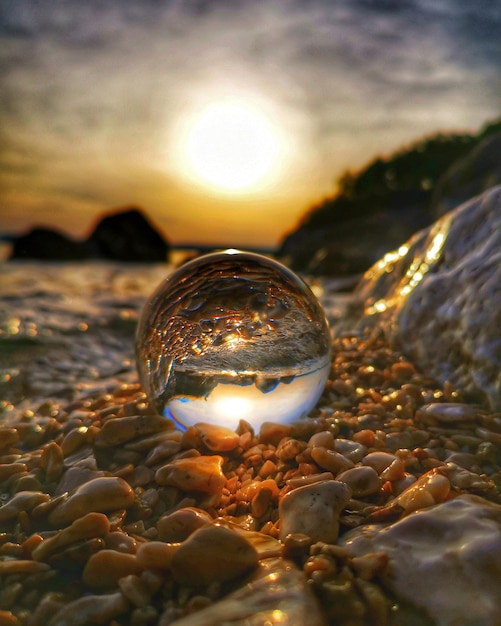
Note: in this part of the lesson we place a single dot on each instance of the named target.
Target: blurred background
(326, 131)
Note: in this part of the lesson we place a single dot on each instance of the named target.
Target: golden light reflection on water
(417, 270)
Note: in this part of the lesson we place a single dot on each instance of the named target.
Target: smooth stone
(116, 431)
(217, 438)
(213, 553)
(103, 494)
(445, 560)
(314, 510)
(92, 609)
(91, 525)
(330, 460)
(156, 555)
(199, 473)
(446, 413)
(379, 460)
(21, 501)
(277, 594)
(106, 567)
(179, 525)
(363, 481)
(437, 299)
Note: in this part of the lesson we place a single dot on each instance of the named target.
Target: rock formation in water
(438, 298)
(47, 244)
(125, 235)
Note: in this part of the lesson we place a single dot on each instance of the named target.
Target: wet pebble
(90, 525)
(156, 555)
(217, 438)
(90, 610)
(446, 413)
(106, 567)
(363, 481)
(117, 431)
(200, 473)
(314, 510)
(330, 460)
(21, 502)
(104, 494)
(179, 525)
(213, 553)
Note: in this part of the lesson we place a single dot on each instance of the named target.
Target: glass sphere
(229, 336)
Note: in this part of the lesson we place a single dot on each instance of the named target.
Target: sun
(231, 146)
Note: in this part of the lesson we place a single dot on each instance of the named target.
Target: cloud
(93, 90)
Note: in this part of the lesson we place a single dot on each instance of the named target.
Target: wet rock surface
(437, 298)
(456, 584)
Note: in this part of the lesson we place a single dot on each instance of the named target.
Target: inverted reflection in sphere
(233, 335)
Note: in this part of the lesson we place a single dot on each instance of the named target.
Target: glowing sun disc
(232, 146)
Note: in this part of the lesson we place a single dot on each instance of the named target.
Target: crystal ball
(229, 336)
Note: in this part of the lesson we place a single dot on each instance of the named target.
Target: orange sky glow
(225, 121)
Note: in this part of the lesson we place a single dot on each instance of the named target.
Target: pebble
(103, 494)
(90, 525)
(352, 450)
(117, 431)
(52, 461)
(331, 460)
(179, 525)
(363, 481)
(13, 567)
(213, 553)
(90, 610)
(156, 555)
(8, 437)
(106, 567)
(217, 438)
(430, 488)
(446, 413)
(21, 502)
(135, 590)
(379, 460)
(314, 510)
(9, 469)
(201, 473)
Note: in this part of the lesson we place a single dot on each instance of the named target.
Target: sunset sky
(225, 119)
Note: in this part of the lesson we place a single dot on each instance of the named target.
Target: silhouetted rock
(120, 236)
(437, 299)
(127, 236)
(479, 170)
(351, 245)
(48, 245)
(391, 198)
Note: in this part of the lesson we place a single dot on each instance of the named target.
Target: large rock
(127, 236)
(479, 170)
(437, 298)
(445, 560)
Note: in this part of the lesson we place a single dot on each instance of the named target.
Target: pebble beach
(112, 516)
